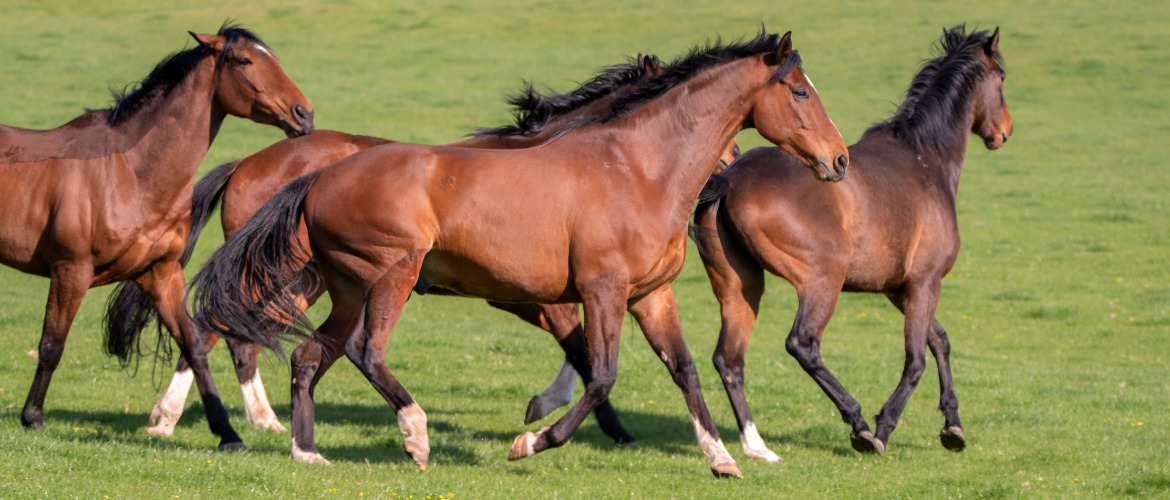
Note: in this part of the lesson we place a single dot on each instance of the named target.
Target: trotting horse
(244, 185)
(889, 227)
(106, 197)
(598, 216)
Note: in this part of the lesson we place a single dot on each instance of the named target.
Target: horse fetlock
(306, 456)
(33, 419)
(754, 447)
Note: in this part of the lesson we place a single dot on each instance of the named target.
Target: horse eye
(243, 61)
(800, 93)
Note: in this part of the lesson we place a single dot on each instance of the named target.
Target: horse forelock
(172, 71)
(940, 94)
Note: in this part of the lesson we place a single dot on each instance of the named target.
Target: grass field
(1058, 307)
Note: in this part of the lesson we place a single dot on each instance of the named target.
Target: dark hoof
(33, 420)
(33, 426)
(952, 438)
(627, 441)
(233, 446)
(864, 442)
(534, 411)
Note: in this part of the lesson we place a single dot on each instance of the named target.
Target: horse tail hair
(128, 313)
(713, 192)
(249, 289)
(208, 192)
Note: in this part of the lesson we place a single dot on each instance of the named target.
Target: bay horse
(244, 185)
(597, 216)
(890, 227)
(106, 197)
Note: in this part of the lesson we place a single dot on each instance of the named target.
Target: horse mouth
(292, 131)
(825, 173)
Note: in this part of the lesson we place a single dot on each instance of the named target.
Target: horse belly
(504, 277)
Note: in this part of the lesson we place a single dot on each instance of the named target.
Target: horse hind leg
(164, 284)
(256, 404)
(68, 283)
(738, 285)
(169, 409)
(366, 348)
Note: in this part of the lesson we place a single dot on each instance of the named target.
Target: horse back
(84, 138)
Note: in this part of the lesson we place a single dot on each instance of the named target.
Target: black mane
(697, 60)
(170, 72)
(534, 110)
(940, 93)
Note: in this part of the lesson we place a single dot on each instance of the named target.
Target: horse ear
(785, 46)
(213, 42)
(992, 45)
(649, 64)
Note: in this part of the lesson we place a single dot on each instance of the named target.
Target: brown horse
(889, 228)
(597, 216)
(244, 185)
(106, 197)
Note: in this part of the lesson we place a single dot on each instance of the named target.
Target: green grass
(1058, 306)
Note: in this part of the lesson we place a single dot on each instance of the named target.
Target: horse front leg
(657, 315)
(564, 323)
(918, 305)
(604, 298)
(164, 283)
(68, 282)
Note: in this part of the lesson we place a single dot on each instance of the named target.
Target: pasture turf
(1058, 307)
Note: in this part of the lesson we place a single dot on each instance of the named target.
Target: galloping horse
(244, 185)
(106, 197)
(889, 228)
(597, 216)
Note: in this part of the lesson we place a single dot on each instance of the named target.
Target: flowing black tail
(128, 310)
(249, 289)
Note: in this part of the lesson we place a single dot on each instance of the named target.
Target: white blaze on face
(264, 50)
(814, 87)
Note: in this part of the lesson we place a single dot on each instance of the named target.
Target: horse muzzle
(304, 122)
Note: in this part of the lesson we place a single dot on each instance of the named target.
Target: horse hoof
(161, 430)
(419, 452)
(952, 438)
(726, 469)
(535, 410)
(864, 442)
(271, 424)
(233, 446)
(523, 446)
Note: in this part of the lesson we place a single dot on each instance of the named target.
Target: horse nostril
(300, 112)
(842, 162)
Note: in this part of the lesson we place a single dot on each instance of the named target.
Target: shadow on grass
(670, 435)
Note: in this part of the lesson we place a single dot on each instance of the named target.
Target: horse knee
(805, 350)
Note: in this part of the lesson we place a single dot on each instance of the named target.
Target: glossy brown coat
(106, 197)
(889, 227)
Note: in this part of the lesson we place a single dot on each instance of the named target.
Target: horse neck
(677, 138)
(164, 142)
(949, 160)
